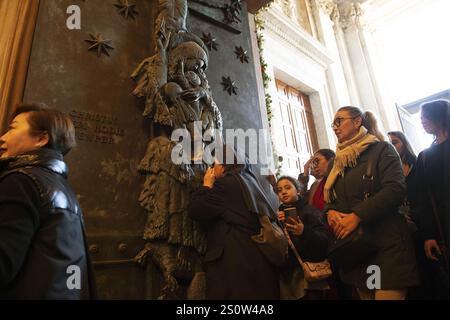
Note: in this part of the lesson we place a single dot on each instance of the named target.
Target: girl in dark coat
(309, 235)
(234, 265)
(347, 208)
(433, 180)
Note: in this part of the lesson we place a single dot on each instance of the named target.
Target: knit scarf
(347, 154)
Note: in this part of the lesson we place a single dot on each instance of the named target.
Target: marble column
(353, 43)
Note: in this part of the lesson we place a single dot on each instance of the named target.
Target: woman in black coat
(234, 265)
(361, 145)
(433, 181)
(42, 242)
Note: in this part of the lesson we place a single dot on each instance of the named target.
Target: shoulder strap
(292, 246)
(367, 184)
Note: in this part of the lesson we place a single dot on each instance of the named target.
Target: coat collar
(44, 158)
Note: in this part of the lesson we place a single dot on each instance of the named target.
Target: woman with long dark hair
(407, 209)
(433, 190)
(408, 158)
(404, 149)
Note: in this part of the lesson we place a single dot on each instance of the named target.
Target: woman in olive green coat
(347, 207)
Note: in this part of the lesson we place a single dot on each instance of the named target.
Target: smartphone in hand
(290, 212)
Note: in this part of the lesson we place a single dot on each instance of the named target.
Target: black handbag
(271, 241)
(357, 247)
(352, 250)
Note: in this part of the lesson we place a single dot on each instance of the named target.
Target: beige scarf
(347, 154)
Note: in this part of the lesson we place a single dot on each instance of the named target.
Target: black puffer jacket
(42, 237)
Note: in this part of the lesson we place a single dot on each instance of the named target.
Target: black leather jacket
(35, 187)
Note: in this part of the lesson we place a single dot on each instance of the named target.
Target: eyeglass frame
(334, 124)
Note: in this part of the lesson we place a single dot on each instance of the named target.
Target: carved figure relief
(175, 90)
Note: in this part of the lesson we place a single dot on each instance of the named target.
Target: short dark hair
(58, 126)
(294, 181)
(438, 112)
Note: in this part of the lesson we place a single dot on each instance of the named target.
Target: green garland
(259, 24)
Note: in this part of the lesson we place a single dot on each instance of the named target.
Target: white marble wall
(335, 67)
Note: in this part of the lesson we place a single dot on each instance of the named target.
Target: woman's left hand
(346, 225)
(295, 225)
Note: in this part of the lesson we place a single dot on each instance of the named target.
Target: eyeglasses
(338, 121)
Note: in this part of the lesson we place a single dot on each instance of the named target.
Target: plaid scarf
(347, 154)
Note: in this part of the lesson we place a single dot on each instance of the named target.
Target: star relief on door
(126, 9)
(99, 44)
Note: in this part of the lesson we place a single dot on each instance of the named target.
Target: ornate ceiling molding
(350, 14)
(344, 13)
(328, 6)
(277, 24)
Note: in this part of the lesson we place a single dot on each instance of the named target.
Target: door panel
(299, 135)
